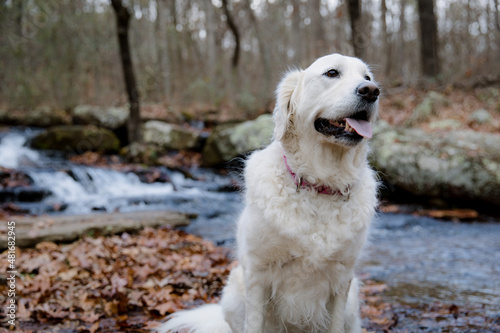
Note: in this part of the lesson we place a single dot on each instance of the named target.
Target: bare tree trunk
(401, 40)
(177, 69)
(234, 29)
(496, 54)
(122, 25)
(468, 52)
(19, 16)
(497, 15)
(210, 28)
(429, 39)
(162, 56)
(297, 34)
(263, 51)
(385, 39)
(318, 39)
(357, 37)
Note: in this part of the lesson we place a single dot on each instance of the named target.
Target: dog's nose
(368, 91)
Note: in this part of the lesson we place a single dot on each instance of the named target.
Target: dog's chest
(322, 230)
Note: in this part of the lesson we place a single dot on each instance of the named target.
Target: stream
(422, 260)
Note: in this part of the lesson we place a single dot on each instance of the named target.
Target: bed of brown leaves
(396, 107)
(115, 284)
(129, 283)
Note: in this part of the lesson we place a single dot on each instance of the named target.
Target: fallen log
(30, 231)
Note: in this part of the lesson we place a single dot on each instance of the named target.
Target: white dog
(310, 197)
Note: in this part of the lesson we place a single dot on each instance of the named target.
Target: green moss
(76, 139)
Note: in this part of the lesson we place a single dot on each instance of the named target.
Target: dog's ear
(286, 100)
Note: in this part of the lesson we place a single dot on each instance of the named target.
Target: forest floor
(130, 282)
(397, 105)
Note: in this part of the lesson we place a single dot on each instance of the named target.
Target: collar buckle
(298, 185)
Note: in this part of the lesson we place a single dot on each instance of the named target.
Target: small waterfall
(13, 152)
(67, 188)
(84, 189)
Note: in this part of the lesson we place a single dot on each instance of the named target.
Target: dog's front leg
(255, 305)
(339, 310)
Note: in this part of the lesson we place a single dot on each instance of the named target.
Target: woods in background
(228, 52)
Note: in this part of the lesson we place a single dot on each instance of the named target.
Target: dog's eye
(367, 78)
(332, 73)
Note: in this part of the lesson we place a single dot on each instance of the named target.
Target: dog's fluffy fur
(297, 249)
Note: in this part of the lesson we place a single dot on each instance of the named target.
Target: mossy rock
(427, 108)
(43, 116)
(228, 141)
(76, 139)
(480, 116)
(107, 117)
(460, 164)
(142, 153)
(170, 136)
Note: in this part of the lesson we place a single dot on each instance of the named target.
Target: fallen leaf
(167, 307)
(69, 274)
(460, 214)
(94, 327)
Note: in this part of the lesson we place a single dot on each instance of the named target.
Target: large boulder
(481, 116)
(170, 136)
(76, 139)
(427, 108)
(42, 116)
(456, 164)
(107, 117)
(229, 141)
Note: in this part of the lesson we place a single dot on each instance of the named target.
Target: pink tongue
(362, 127)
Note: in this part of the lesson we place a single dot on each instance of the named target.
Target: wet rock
(13, 178)
(170, 136)
(42, 116)
(453, 165)
(428, 107)
(231, 140)
(151, 175)
(76, 139)
(480, 116)
(107, 117)
(23, 194)
(142, 153)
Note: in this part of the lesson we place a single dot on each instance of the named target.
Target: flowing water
(74, 189)
(423, 260)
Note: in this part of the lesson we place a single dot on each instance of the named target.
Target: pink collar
(320, 189)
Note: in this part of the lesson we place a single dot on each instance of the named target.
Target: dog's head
(334, 100)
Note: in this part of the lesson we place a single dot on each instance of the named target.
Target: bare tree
(234, 29)
(122, 26)
(497, 15)
(161, 44)
(263, 50)
(428, 39)
(211, 30)
(357, 37)
(319, 35)
(187, 41)
(401, 52)
(297, 32)
(385, 38)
